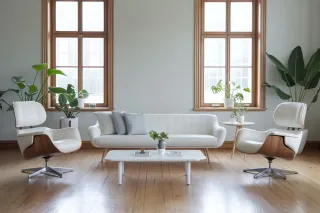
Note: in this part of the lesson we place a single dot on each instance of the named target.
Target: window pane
(66, 16)
(66, 52)
(243, 77)
(211, 77)
(93, 51)
(214, 51)
(71, 78)
(93, 82)
(215, 16)
(93, 16)
(241, 16)
(241, 52)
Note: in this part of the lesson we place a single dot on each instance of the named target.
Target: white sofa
(199, 131)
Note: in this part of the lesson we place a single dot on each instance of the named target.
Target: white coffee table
(122, 156)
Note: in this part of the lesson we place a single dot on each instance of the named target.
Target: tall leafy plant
(29, 91)
(298, 77)
(67, 100)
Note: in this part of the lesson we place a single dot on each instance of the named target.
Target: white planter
(233, 120)
(68, 122)
(81, 102)
(229, 102)
(241, 119)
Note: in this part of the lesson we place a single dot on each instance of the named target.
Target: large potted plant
(298, 77)
(68, 104)
(233, 92)
(29, 91)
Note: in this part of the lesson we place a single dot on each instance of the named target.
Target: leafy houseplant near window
(68, 104)
(161, 146)
(29, 91)
(231, 94)
(82, 95)
(298, 77)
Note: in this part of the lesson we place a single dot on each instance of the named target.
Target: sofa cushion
(105, 123)
(119, 123)
(135, 124)
(144, 141)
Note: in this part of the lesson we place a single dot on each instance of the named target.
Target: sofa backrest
(181, 123)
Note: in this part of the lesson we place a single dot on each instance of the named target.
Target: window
(78, 39)
(229, 46)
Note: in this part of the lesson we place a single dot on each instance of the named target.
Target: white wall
(153, 56)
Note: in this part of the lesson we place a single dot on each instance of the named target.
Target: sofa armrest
(94, 131)
(220, 133)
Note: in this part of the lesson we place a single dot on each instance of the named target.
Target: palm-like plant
(298, 77)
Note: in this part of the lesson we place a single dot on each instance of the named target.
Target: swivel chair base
(270, 172)
(46, 170)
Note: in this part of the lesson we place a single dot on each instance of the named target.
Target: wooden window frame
(48, 49)
(258, 35)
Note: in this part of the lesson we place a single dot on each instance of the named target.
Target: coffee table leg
(122, 168)
(120, 172)
(188, 172)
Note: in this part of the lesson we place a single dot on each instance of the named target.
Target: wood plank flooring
(220, 186)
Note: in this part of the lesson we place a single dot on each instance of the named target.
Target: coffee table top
(128, 155)
(238, 124)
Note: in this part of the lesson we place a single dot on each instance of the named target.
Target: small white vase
(241, 119)
(233, 120)
(229, 102)
(81, 102)
(68, 122)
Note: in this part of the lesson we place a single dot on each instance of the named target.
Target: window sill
(86, 109)
(209, 109)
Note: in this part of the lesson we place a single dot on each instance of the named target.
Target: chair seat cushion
(144, 141)
(67, 145)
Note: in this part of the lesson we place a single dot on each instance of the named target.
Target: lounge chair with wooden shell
(42, 141)
(283, 143)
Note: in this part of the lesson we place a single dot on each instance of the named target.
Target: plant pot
(81, 102)
(161, 147)
(233, 120)
(68, 122)
(229, 102)
(241, 119)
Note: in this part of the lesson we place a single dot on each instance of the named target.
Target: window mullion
(228, 43)
(80, 47)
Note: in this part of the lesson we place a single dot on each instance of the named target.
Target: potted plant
(233, 117)
(82, 95)
(298, 77)
(242, 109)
(29, 91)
(161, 146)
(68, 104)
(232, 93)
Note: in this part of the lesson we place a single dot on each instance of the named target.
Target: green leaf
(74, 103)
(312, 80)
(70, 89)
(57, 90)
(315, 97)
(314, 63)
(62, 100)
(282, 70)
(83, 94)
(39, 67)
(280, 93)
(18, 79)
(296, 65)
(55, 72)
(246, 89)
(21, 85)
(33, 89)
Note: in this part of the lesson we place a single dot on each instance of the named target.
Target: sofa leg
(105, 151)
(208, 155)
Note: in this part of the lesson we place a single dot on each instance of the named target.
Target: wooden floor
(159, 187)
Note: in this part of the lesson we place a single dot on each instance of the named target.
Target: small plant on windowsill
(233, 92)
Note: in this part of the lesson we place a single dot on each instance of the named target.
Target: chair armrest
(220, 133)
(250, 140)
(94, 131)
(285, 133)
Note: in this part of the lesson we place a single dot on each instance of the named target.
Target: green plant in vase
(160, 137)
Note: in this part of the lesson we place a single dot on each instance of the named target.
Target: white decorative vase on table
(68, 122)
(81, 102)
(241, 119)
(161, 147)
(229, 102)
